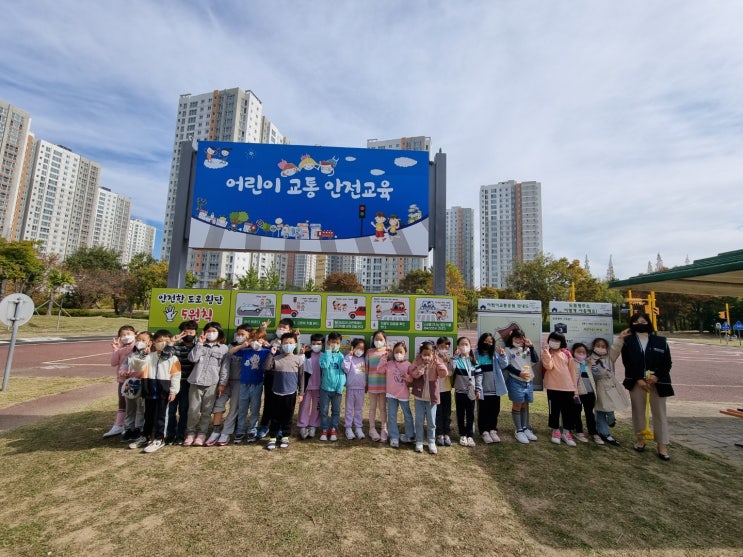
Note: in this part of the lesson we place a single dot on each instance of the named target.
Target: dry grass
(65, 491)
(22, 389)
(41, 325)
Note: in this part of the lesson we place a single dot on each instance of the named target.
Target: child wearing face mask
(251, 353)
(464, 366)
(354, 365)
(223, 428)
(443, 411)
(178, 409)
(610, 395)
(331, 387)
(586, 392)
(122, 346)
(520, 383)
(561, 386)
(135, 367)
(308, 419)
(286, 325)
(376, 387)
(206, 382)
(288, 379)
(491, 360)
(397, 379)
(425, 372)
(161, 380)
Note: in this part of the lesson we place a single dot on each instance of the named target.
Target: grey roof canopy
(721, 275)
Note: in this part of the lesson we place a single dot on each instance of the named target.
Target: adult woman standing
(647, 373)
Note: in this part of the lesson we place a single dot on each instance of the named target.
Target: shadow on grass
(594, 497)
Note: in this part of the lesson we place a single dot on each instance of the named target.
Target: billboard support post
(438, 220)
(183, 200)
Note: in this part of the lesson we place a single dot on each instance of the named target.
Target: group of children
(189, 381)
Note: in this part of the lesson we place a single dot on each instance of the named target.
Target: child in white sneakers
(520, 382)
(122, 346)
(308, 419)
(331, 387)
(377, 386)
(354, 364)
(586, 393)
(135, 366)
(425, 371)
(562, 390)
(464, 367)
(398, 394)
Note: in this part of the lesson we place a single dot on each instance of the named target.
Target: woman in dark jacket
(647, 370)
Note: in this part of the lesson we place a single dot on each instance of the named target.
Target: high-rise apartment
(140, 238)
(111, 224)
(222, 115)
(460, 242)
(510, 228)
(14, 144)
(61, 201)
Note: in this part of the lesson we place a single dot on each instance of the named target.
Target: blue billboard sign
(262, 197)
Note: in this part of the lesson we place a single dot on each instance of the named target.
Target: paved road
(706, 378)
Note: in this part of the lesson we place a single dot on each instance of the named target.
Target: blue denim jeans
(425, 410)
(392, 405)
(250, 400)
(333, 400)
(603, 419)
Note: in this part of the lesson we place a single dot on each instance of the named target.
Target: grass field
(41, 325)
(66, 491)
(22, 389)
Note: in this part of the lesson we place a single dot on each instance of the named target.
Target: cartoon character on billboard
(216, 158)
(307, 163)
(287, 168)
(378, 224)
(394, 223)
(328, 166)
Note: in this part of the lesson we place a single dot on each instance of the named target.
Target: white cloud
(405, 162)
(376, 172)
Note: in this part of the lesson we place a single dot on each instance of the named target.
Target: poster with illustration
(345, 312)
(435, 314)
(500, 317)
(582, 321)
(310, 199)
(390, 313)
(252, 308)
(169, 307)
(304, 309)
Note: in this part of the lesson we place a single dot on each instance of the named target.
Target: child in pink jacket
(398, 393)
(122, 346)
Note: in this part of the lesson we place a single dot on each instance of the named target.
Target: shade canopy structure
(721, 275)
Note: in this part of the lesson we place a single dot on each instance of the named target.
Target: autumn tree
(98, 275)
(20, 265)
(417, 282)
(342, 282)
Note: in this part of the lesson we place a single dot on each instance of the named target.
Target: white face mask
(125, 340)
(358, 353)
(334, 347)
(288, 348)
(379, 343)
(160, 345)
(426, 358)
(240, 339)
(281, 332)
(211, 336)
(141, 345)
(554, 344)
(464, 350)
(399, 356)
(443, 352)
(600, 351)
(518, 344)
(316, 348)
(255, 345)
(580, 357)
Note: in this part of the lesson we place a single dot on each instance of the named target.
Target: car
(358, 312)
(398, 308)
(286, 309)
(249, 309)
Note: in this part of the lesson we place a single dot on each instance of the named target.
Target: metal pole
(178, 258)
(439, 229)
(11, 347)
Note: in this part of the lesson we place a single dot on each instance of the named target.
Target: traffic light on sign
(721, 314)
(362, 211)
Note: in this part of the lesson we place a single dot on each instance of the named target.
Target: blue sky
(630, 114)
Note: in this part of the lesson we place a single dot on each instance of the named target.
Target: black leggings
(488, 409)
(465, 414)
(588, 401)
(561, 404)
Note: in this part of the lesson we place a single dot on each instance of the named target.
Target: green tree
(56, 278)
(417, 282)
(249, 281)
(96, 257)
(145, 273)
(342, 282)
(98, 275)
(20, 265)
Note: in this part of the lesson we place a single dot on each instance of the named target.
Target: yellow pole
(572, 292)
(651, 303)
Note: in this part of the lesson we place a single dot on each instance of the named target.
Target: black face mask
(640, 327)
(188, 339)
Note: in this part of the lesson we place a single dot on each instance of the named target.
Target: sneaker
(470, 442)
(463, 441)
(223, 440)
(556, 437)
(170, 440)
(252, 437)
(114, 431)
(405, 439)
(239, 438)
(199, 441)
(153, 446)
(139, 442)
(447, 441)
(262, 432)
(394, 443)
(324, 435)
(609, 439)
(597, 439)
(178, 441)
(568, 438)
(333, 434)
(359, 433)
(382, 436)
(128, 435)
(494, 436)
(212, 439)
(284, 444)
(373, 434)
(188, 441)
(581, 437)
(303, 433)
(612, 424)
(419, 447)
(530, 435)
(349, 434)
(432, 447)
(440, 440)
(521, 437)
(271, 445)
(311, 432)
(486, 437)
